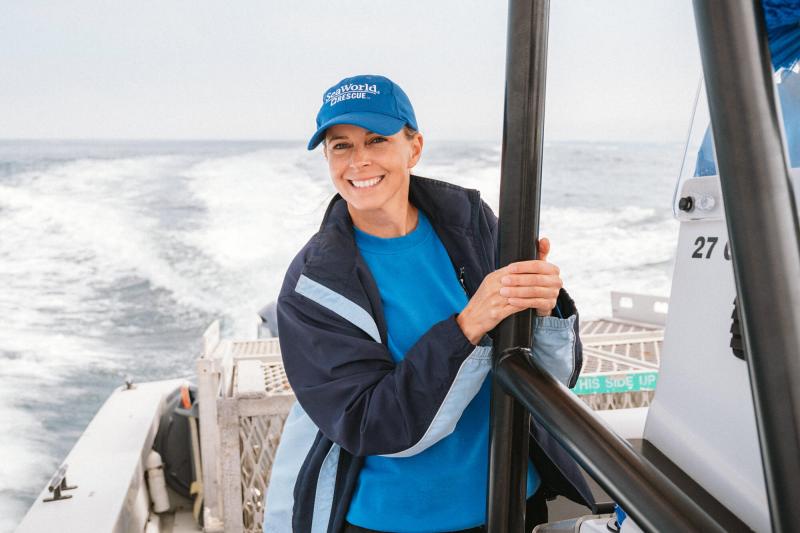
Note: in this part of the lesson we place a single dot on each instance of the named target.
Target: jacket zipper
(461, 280)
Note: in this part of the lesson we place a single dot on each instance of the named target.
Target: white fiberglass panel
(702, 416)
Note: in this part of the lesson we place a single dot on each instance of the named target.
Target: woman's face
(371, 171)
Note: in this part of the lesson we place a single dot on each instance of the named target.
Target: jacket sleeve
(557, 344)
(359, 397)
(556, 340)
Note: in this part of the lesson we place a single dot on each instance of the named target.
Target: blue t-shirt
(442, 488)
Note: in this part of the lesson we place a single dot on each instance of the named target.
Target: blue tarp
(783, 31)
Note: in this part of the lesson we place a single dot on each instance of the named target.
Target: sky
(618, 70)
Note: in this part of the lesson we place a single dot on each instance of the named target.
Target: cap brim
(374, 122)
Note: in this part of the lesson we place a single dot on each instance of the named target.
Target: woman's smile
(366, 183)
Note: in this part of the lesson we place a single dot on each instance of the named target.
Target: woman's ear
(416, 149)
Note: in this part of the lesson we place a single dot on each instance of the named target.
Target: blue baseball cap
(375, 103)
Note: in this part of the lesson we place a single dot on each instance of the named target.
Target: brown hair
(408, 130)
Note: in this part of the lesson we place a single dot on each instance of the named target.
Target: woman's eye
(340, 146)
(377, 140)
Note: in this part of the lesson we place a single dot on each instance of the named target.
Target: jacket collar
(450, 208)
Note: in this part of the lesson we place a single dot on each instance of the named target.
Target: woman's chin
(365, 200)
(365, 205)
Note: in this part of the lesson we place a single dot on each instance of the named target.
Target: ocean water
(115, 256)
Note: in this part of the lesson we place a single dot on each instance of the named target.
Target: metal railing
(730, 32)
(520, 187)
(656, 502)
(762, 224)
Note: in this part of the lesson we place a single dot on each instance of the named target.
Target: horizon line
(304, 141)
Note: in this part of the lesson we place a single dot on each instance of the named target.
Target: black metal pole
(520, 186)
(763, 230)
(654, 501)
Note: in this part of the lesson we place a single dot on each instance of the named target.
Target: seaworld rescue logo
(351, 91)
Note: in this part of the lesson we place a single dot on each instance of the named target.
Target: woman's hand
(524, 285)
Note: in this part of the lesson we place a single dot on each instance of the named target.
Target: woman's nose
(358, 157)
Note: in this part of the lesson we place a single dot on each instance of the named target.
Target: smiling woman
(372, 174)
(383, 320)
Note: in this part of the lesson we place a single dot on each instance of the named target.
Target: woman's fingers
(531, 280)
(532, 284)
(543, 304)
(534, 266)
(529, 292)
(544, 248)
(541, 298)
(523, 285)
